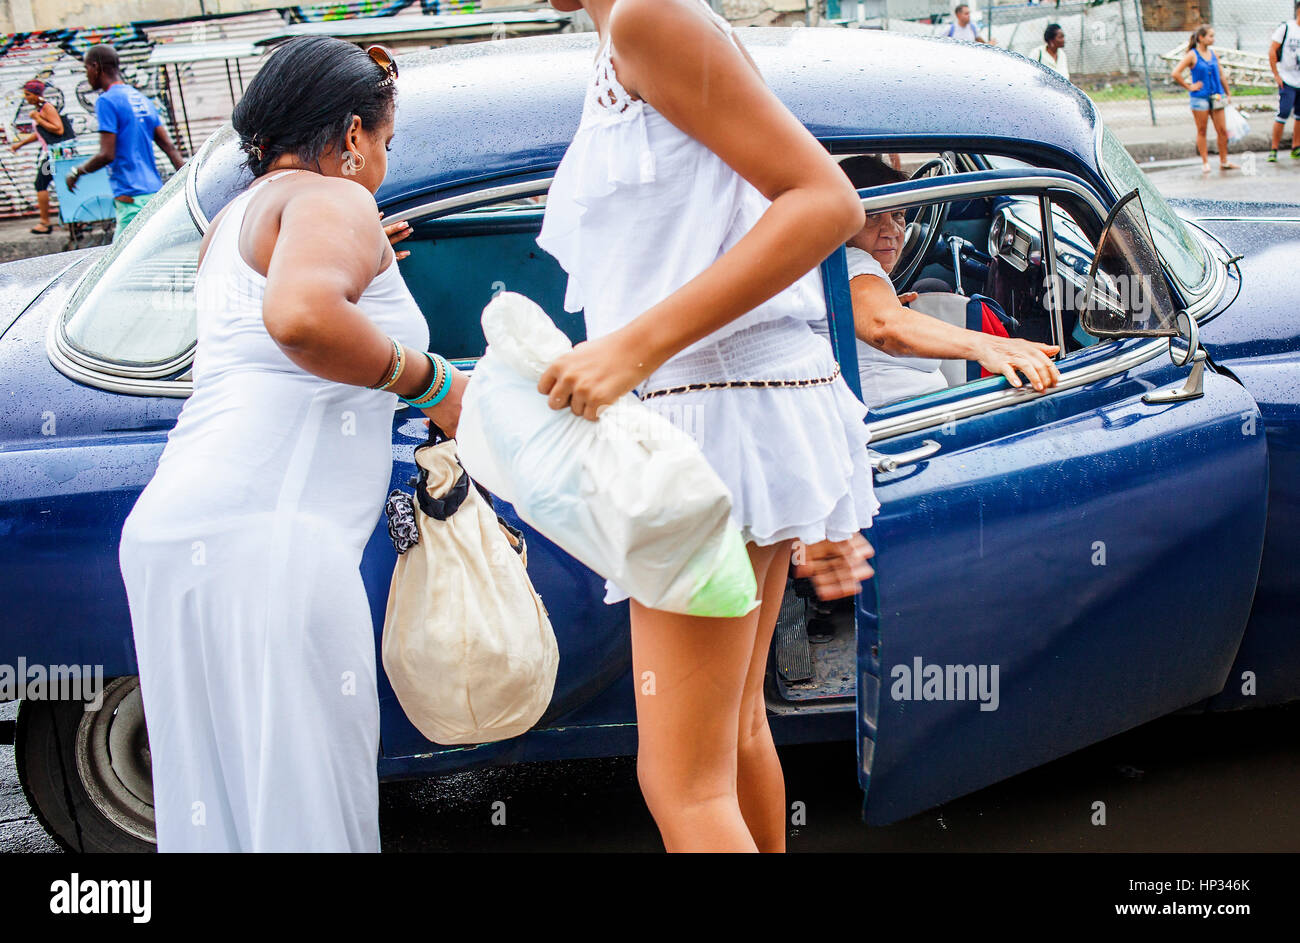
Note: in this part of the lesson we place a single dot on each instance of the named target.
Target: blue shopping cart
(90, 203)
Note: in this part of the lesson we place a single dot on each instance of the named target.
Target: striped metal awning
(411, 27)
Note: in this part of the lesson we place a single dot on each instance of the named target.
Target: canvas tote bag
(467, 643)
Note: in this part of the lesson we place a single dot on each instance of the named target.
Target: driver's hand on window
(1006, 355)
(837, 568)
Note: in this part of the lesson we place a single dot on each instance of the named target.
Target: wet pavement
(1257, 180)
(1197, 783)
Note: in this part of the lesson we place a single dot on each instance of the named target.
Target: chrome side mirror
(1194, 388)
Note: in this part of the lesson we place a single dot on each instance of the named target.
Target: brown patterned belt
(742, 384)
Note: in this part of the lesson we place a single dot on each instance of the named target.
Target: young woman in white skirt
(241, 558)
(691, 213)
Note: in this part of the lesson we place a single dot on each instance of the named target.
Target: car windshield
(136, 305)
(1182, 252)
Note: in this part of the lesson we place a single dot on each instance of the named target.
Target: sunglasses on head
(384, 59)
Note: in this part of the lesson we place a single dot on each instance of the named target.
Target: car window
(1183, 253)
(1122, 297)
(135, 307)
(991, 247)
(459, 262)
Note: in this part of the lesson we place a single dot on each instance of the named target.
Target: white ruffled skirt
(794, 458)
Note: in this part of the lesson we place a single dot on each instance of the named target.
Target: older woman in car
(900, 350)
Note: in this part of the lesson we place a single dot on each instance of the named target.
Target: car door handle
(888, 463)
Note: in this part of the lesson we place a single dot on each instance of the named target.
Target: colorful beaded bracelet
(398, 365)
(438, 387)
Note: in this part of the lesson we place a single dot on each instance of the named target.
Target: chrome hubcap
(113, 759)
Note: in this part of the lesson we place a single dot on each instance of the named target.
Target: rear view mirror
(1126, 294)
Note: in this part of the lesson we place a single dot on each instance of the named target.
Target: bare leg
(1221, 132)
(760, 784)
(1295, 131)
(43, 205)
(690, 677)
(1202, 147)
(1277, 133)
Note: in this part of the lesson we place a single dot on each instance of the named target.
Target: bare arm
(1177, 75)
(328, 248)
(22, 141)
(107, 151)
(164, 142)
(670, 54)
(47, 116)
(884, 323)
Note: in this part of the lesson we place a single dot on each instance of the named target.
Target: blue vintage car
(1052, 569)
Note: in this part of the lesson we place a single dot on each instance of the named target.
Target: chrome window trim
(192, 186)
(933, 416)
(107, 374)
(113, 383)
(111, 368)
(1241, 219)
(533, 187)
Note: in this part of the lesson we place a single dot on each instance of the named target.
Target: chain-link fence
(1105, 39)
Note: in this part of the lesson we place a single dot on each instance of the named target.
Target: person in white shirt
(965, 28)
(1284, 59)
(899, 350)
(1052, 52)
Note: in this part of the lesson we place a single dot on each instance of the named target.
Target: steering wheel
(925, 228)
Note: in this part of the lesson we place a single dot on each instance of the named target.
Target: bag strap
(435, 437)
(441, 508)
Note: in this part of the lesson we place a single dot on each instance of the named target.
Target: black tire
(85, 773)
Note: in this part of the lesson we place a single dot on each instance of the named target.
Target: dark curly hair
(302, 100)
(868, 170)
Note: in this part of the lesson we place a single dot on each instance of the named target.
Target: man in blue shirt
(129, 127)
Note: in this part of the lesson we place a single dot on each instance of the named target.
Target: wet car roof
(477, 111)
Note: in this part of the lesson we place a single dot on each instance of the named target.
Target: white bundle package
(629, 495)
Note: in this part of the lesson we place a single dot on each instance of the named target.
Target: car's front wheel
(87, 774)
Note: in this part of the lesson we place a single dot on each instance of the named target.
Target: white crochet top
(687, 208)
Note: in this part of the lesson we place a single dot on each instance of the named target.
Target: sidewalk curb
(1145, 152)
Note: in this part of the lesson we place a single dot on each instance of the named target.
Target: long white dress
(241, 562)
(636, 210)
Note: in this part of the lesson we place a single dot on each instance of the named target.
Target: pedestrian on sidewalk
(1052, 52)
(53, 131)
(1209, 94)
(129, 127)
(1284, 60)
(964, 28)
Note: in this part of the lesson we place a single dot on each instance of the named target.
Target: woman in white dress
(682, 148)
(241, 558)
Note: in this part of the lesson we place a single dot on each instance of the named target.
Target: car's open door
(1051, 570)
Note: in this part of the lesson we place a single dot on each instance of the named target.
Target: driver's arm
(881, 321)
